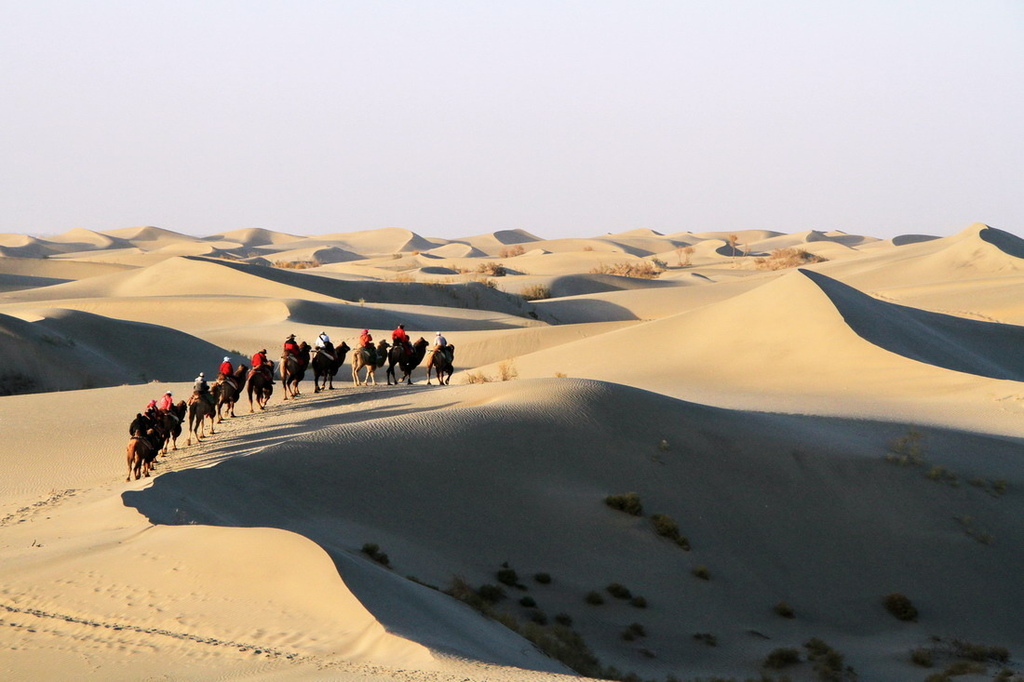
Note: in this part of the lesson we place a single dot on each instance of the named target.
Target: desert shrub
(780, 259)
(783, 609)
(907, 450)
(539, 617)
(373, 551)
(707, 638)
(560, 375)
(507, 576)
(403, 277)
(899, 605)
(511, 251)
(922, 657)
(619, 591)
(588, 248)
(702, 572)
(297, 264)
(491, 268)
(507, 370)
(535, 292)
(594, 598)
(563, 619)
(476, 377)
(957, 669)
(780, 658)
(642, 269)
(491, 593)
(542, 578)
(639, 602)
(626, 502)
(637, 629)
(667, 527)
(528, 602)
(999, 486)
(980, 652)
(658, 262)
(828, 663)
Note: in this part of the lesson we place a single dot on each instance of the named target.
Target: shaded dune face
(983, 348)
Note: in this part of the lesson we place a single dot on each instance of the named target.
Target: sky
(564, 119)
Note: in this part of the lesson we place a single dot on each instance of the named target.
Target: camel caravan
(158, 427)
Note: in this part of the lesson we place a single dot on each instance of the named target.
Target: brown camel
(361, 359)
(326, 365)
(140, 455)
(293, 369)
(171, 422)
(260, 382)
(228, 390)
(439, 361)
(199, 409)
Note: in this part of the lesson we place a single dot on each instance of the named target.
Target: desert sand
(827, 418)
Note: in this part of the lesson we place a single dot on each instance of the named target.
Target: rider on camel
(290, 347)
(323, 344)
(166, 402)
(401, 339)
(201, 390)
(260, 363)
(365, 340)
(225, 367)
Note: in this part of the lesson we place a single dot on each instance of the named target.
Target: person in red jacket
(225, 367)
(259, 359)
(365, 340)
(290, 347)
(401, 339)
(166, 402)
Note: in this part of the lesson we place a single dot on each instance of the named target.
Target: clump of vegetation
(785, 610)
(491, 593)
(528, 602)
(619, 591)
(702, 572)
(492, 268)
(828, 662)
(900, 606)
(535, 292)
(683, 254)
(638, 602)
(980, 652)
(626, 502)
(907, 450)
(476, 377)
(560, 375)
(297, 264)
(511, 251)
(633, 631)
(542, 578)
(508, 576)
(780, 259)
(667, 527)
(13, 383)
(507, 370)
(922, 657)
(372, 550)
(563, 619)
(707, 638)
(594, 598)
(642, 269)
(779, 658)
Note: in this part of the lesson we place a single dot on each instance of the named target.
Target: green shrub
(899, 605)
(619, 591)
(780, 658)
(667, 527)
(626, 502)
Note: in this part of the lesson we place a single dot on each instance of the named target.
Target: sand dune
(759, 409)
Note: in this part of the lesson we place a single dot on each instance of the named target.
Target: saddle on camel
(201, 391)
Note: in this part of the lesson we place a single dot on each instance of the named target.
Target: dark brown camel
(325, 367)
(293, 369)
(171, 422)
(407, 361)
(228, 391)
(261, 383)
(140, 455)
(360, 360)
(199, 409)
(440, 362)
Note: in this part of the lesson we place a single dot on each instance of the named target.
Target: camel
(398, 356)
(325, 367)
(140, 455)
(198, 411)
(360, 360)
(293, 369)
(228, 392)
(260, 382)
(171, 423)
(440, 362)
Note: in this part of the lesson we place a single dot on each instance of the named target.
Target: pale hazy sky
(561, 118)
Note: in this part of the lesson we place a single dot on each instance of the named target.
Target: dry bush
(491, 268)
(900, 606)
(683, 253)
(403, 277)
(297, 264)
(588, 248)
(475, 378)
(780, 259)
(643, 269)
(626, 502)
(507, 370)
(535, 292)
(511, 251)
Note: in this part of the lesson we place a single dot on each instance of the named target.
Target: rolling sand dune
(823, 437)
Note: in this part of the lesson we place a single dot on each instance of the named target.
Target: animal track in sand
(26, 513)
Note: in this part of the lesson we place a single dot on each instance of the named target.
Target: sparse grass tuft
(542, 578)
(639, 602)
(535, 292)
(507, 370)
(594, 598)
(619, 591)
(780, 658)
(785, 610)
(643, 269)
(922, 657)
(780, 259)
(626, 502)
(702, 572)
(492, 268)
(476, 377)
(511, 251)
(297, 264)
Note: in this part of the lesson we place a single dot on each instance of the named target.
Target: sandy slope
(242, 559)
